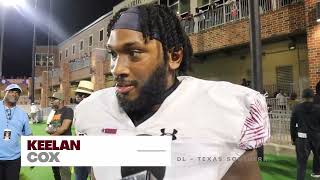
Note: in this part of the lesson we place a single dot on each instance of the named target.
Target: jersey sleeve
(256, 128)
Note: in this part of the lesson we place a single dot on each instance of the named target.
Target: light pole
(255, 45)
(3, 5)
(3, 14)
(33, 55)
(256, 53)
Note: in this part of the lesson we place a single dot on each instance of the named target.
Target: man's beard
(78, 100)
(55, 107)
(149, 95)
(11, 100)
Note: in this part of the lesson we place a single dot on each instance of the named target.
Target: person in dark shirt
(305, 133)
(60, 126)
(316, 98)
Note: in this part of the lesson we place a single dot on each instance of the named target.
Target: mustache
(120, 81)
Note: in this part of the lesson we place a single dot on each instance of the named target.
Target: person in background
(84, 90)
(316, 98)
(34, 113)
(244, 82)
(293, 101)
(60, 126)
(281, 100)
(305, 134)
(14, 123)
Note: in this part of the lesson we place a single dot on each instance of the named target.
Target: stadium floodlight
(13, 3)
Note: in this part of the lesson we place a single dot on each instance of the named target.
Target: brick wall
(287, 20)
(313, 42)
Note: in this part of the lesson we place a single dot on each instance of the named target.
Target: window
(184, 6)
(285, 79)
(73, 49)
(90, 41)
(202, 2)
(173, 5)
(51, 60)
(60, 56)
(38, 59)
(171, 2)
(101, 35)
(44, 59)
(81, 45)
(66, 52)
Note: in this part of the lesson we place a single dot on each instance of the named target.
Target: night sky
(69, 16)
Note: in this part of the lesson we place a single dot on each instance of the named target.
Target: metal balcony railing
(78, 64)
(229, 12)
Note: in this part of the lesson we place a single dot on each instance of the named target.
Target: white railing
(275, 104)
(280, 128)
(78, 64)
(229, 13)
(288, 88)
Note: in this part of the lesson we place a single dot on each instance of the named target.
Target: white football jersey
(212, 124)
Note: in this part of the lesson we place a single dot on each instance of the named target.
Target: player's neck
(140, 116)
(9, 104)
(61, 106)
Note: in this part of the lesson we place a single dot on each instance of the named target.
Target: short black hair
(307, 93)
(167, 24)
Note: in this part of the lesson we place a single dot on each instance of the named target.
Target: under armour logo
(173, 134)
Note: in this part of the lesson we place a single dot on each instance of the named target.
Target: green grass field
(274, 167)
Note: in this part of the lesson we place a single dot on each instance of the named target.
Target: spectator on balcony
(305, 134)
(281, 100)
(233, 8)
(212, 5)
(199, 20)
(188, 22)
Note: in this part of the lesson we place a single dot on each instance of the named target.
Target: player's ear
(175, 58)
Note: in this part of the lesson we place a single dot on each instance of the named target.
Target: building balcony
(53, 77)
(228, 25)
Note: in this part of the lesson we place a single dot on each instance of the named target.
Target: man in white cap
(84, 90)
(60, 126)
(14, 123)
